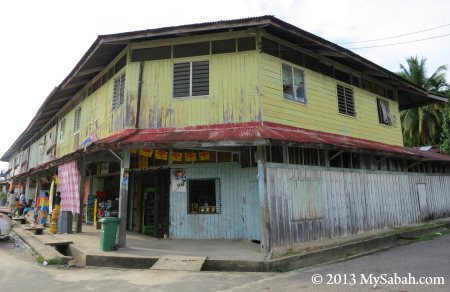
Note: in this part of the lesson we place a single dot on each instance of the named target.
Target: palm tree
(423, 125)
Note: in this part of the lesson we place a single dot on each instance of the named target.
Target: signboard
(177, 156)
(204, 155)
(178, 182)
(190, 156)
(161, 154)
(146, 152)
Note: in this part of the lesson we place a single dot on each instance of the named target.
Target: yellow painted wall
(321, 109)
(97, 116)
(233, 92)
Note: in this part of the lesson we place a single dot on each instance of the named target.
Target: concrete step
(179, 263)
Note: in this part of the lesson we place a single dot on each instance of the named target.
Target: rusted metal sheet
(254, 132)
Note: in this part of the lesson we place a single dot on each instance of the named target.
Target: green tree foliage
(423, 125)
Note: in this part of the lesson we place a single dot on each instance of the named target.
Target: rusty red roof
(252, 132)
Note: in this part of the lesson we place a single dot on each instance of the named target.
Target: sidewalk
(227, 255)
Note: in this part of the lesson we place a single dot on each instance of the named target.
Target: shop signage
(161, 154)
(190, 156)
(146, 152)
(204, 155)
(178, 180)
(177, 156)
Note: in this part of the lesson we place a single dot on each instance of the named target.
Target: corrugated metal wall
(351, 202)
(239, 217)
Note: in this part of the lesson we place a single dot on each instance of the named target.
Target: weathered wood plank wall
(239, 217)
(321, 109)
(352, 202)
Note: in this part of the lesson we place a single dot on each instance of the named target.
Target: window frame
(118, 97)
(293, 68)
(62, 130)
(388, 112)
(217, 194)
(345, 88)
(77, 126)
(191, 64)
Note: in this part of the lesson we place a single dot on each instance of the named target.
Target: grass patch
(54, 261)
(283, 270)
(40, 259)
(433, 235)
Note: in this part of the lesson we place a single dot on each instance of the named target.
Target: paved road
(423, 259)
(20, 272)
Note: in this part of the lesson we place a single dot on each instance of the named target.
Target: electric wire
(400, 43)
(396, 36)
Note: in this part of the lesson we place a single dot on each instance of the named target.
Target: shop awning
(251, 133)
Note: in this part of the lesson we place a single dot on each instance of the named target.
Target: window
(204, 196)
(62, 129)
(150, 54)
(190, 79)
(270, 47)
(223, 46)
(77, 120)
(190, 50)
(346, 103)
(246, 44)
(118, 91)
(384, 116)
(293, 84)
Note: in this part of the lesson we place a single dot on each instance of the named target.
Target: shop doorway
(150, 202)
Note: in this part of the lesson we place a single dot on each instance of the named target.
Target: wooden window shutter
(345, 100)
(118, 91)
(200, 78)
(77, 120)
(181, 79)
(62, 129)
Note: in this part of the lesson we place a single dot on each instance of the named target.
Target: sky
(41, 41)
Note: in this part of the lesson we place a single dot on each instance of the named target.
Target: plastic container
(108, 233)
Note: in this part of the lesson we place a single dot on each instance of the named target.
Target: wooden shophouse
(246, 129)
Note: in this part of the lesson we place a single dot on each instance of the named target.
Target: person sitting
(26, 209)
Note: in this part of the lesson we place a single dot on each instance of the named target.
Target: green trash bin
(108, 233)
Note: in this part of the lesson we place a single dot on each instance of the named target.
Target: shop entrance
(150, 202)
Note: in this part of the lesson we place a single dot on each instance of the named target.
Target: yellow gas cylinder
(55, 214)
(53, 227)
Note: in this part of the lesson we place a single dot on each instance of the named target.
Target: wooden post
(262, 193)
(27, 188)
(79, 217)
(123, 198)
(38, 187)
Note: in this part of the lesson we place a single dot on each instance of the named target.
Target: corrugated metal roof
(251, 132)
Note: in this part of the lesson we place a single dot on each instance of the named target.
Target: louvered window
(191, 79)
(118, 91)
(293, 84)
(77, 120)
(346, 102)
(62, 129)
